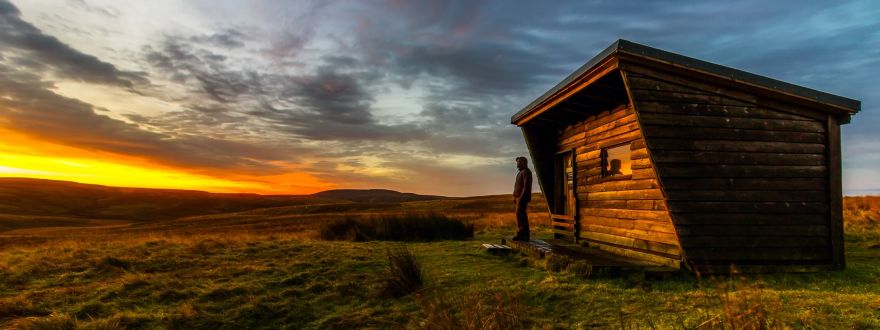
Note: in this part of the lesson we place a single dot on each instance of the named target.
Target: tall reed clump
(406, 227)
(404, 273)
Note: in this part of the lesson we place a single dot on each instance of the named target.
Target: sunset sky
(302, 96)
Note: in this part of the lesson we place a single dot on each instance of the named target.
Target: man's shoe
(519, 239)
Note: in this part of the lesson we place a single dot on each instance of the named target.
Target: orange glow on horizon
(23, 156)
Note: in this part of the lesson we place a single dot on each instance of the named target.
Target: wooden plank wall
(746, 178)
(626, 217)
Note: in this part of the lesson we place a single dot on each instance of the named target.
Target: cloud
(29, 104)
(228, 38)
(30, 107)
(403, 93)
(182, 64)
(107, 12)
(22, 40)
(461, 49)
(331, 96)
(327, 104)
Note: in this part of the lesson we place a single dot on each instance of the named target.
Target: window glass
(617, 161)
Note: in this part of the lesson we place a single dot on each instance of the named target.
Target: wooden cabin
(661, 157)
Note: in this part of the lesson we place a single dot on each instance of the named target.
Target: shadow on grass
(407, 228)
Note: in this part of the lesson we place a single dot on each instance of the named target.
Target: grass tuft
(556, 263)
(745, 307)
(114, 262)
(55, 321)
(580, 268)
(476, 310)
(347, 229)
(17, 306)
(407, 228)
(404, 273)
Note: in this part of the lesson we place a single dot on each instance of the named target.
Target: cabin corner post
(835, 194)
(683, 261)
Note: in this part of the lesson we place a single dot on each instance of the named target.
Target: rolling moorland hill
(69, 199)
(45, 207)
(374, 196)
(35, 197)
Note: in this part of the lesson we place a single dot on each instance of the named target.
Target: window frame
(603, 163)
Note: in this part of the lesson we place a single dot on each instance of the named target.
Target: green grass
(273, 281)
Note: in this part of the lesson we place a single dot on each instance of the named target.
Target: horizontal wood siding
(746, 183)
(629, 216)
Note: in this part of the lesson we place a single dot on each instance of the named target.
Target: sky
(290, 97)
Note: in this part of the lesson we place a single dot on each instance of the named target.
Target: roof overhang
(626, 51)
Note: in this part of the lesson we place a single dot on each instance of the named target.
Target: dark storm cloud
(477, 130)
(508, 47)
(327, 104)
(181, 63)
(503, 48)
(331, 97)
(25, 40)
(333, 105)
(467, 46)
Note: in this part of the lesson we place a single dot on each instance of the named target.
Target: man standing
(522, 194)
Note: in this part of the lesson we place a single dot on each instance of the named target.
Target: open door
(564, 215)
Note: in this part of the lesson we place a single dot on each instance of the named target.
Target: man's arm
(528, 182)
(518, 187)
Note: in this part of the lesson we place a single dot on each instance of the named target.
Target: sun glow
(21, 156)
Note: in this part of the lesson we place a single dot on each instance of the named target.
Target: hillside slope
(69, 199)
(37, 197)
(372, 196)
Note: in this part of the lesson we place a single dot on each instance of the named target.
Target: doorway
(564, 215)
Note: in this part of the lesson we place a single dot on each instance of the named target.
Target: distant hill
(23, 196)
(51, 198)
(374, 196)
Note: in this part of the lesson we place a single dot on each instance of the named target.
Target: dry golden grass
(861, 212)
(266, 270)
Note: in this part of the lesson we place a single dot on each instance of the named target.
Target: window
(616, 162)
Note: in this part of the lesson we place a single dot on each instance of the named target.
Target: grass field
(266, 269)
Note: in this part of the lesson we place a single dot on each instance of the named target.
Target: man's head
(522, 162)
(615, 165)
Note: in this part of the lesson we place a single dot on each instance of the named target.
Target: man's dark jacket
(522, 189)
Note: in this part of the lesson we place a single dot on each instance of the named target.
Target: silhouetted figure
(614, 167)
(522, 194)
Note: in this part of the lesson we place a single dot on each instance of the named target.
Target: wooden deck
(598, 259)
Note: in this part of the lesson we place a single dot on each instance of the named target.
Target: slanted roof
(639, 51)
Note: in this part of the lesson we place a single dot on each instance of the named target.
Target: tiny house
(660, 157)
